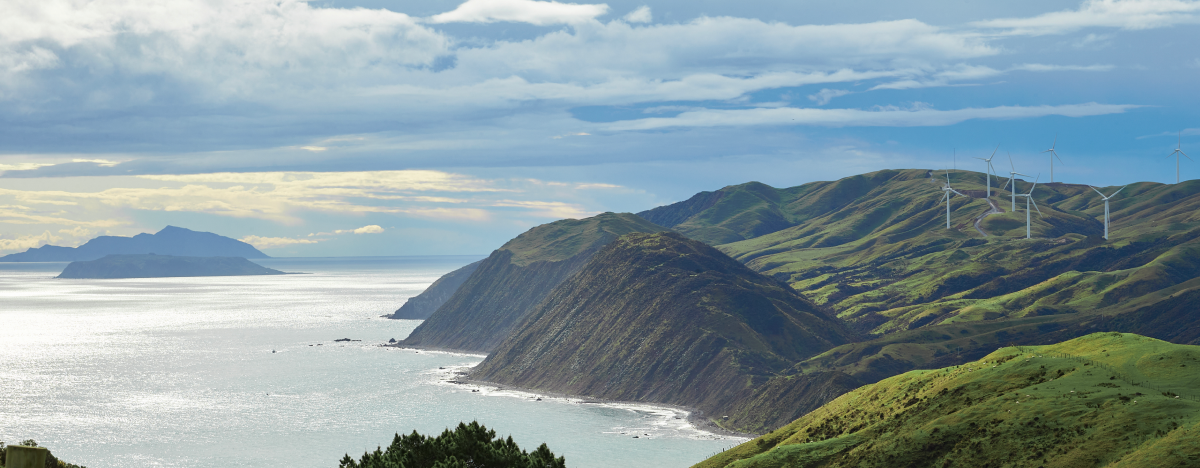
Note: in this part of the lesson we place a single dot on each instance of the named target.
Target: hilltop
(661, 318)
(874, 247)
(163, 266)
(498, 295)
(169, 241)
(1106, 399)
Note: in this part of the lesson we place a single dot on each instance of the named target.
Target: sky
(442, 127)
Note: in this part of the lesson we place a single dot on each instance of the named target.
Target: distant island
(163, 266)
(169, 241)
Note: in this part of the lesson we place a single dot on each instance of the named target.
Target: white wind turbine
(946, 189)
(1176, 153)
(991, 170)
(1012, 179)
(1053, 155)
(1028, 200)
(1106, 207)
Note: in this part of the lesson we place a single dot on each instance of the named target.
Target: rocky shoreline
(694, 417)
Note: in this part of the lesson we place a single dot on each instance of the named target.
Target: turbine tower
(1176, 153)
(990, 170)
(1012, 179)
(1106, 207)
(1028, 200)
(946, 189)
(1053, 155)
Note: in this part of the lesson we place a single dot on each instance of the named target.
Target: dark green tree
(467, 446)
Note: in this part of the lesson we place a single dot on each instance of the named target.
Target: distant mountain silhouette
(163, 266)
(171, 240)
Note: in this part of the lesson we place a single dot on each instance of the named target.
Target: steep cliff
(421, 306)
(516, 277)
(665, 319)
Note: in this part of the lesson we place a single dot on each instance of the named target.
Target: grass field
(1106, 399)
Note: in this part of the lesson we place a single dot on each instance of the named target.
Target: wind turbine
(1012, 177)
(1106, 207)
(1053, 155)
(946, 190)
(991, 170)
(1028, 200)
(1176, 153)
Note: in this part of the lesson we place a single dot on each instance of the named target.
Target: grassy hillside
(1106, 399)
(661, 318)
(874, 248)
(504, 287)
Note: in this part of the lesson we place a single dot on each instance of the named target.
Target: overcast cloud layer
(405, 128)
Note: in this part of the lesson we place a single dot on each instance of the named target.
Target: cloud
(1177, 133)
(597, 186)
(22, 166)
(640, 15)
(521, 11)
(965, 72)
(275, 242)
(556, 210)
(98, 162)
(372, 229)
(823, 96)
(558, 137)
(28, 242)
(1122, 14)
(882, 117)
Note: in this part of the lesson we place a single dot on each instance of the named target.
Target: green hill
(874, 247)
(516, 277)
(1106, 399)
(661, 318)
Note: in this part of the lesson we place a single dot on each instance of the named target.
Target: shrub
(468, 445)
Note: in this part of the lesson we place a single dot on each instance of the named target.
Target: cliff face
(421, 306)
(515, 278)
(169, 241)
(163, 266)
(661, 318)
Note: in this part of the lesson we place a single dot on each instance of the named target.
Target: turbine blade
(1055, 145)
(1039, 210)
(1035, 181)
(1010, 163)
(1097, 191)
(1059, 157)
(989, 159)
(1118, 191)
(1185, 155)
(1006, 184)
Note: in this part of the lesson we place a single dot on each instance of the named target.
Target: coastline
(694, 417)
(460, 375)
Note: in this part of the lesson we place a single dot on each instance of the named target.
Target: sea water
(244, 371)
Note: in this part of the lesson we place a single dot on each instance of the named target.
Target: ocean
(244, 371)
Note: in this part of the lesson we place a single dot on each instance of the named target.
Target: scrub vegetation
(468, 445)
